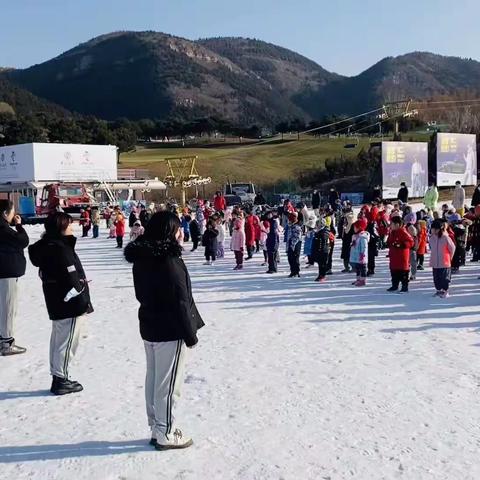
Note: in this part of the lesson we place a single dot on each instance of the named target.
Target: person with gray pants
(67, 296)
(12, 266)
(169, 321)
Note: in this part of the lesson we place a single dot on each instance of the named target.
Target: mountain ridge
(149, 74)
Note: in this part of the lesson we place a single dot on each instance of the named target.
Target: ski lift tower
(182, 173)
(395, 110)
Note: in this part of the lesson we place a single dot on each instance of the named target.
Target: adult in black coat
(132, 218)
(377, 193)
(403, 193)
(194, 233)
(12, 266)
(144, 216)
(476, 197)
(333, 196)
(66, 292)
(162, 285)
(169, 321)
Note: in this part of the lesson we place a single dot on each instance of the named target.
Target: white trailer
(57, 162)
(43, 177)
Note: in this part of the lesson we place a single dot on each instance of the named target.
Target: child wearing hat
(399, 242)
(359, 251)
(442, 249)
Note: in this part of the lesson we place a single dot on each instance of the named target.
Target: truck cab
(70, 198)
(244, 190)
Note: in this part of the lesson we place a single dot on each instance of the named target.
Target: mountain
(153, 75)
(281, 69)
(14, 99)
(418, 75)
(156, 75)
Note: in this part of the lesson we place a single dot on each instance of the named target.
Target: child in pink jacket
(442, 249)
(237, 243)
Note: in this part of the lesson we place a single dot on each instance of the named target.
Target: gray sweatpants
(163, 382)
(8, 305)
(64, 344)
(413, 262)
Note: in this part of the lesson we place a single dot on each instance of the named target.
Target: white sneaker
(207, 263)
(175, 440)
(212, 264)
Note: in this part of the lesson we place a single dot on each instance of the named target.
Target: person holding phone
(13, 242)
(67, 296)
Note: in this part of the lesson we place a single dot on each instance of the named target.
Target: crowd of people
(448, 233)
(168, 317)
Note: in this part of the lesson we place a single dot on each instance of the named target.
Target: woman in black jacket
(66, 292)
(169, 321)
(12, 266)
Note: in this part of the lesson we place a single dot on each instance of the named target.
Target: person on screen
(418, 179)
(403, 193)
(470, 166)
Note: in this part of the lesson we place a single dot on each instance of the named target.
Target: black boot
(63, 386)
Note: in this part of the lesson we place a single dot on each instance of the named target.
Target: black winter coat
(273, 240)
(315, 200)
(194, 230)
(209, 241)
(61, 270)
(403, 194)
(12, 244)
(162, 286)
(321, 243)
(332, 198)
(476, 197)
(144, 218)
(132, 218)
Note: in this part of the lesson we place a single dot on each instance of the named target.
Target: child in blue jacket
(359, 251)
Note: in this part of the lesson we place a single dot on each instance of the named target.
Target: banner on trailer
(404, 162)
(37, 162)
(456, 159)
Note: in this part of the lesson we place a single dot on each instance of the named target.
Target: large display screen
(404, 162)
(456, 159)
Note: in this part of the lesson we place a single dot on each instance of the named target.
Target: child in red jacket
(119, 228)
(400, 242)
(422, 243)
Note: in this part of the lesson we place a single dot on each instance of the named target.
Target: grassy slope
(264, 163)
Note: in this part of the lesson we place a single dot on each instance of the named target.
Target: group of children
(406, 235)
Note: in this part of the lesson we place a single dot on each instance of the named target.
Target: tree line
(126, 134)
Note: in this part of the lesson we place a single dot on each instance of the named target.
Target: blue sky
(345, 36)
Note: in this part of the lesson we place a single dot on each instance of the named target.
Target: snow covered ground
(291, 380)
